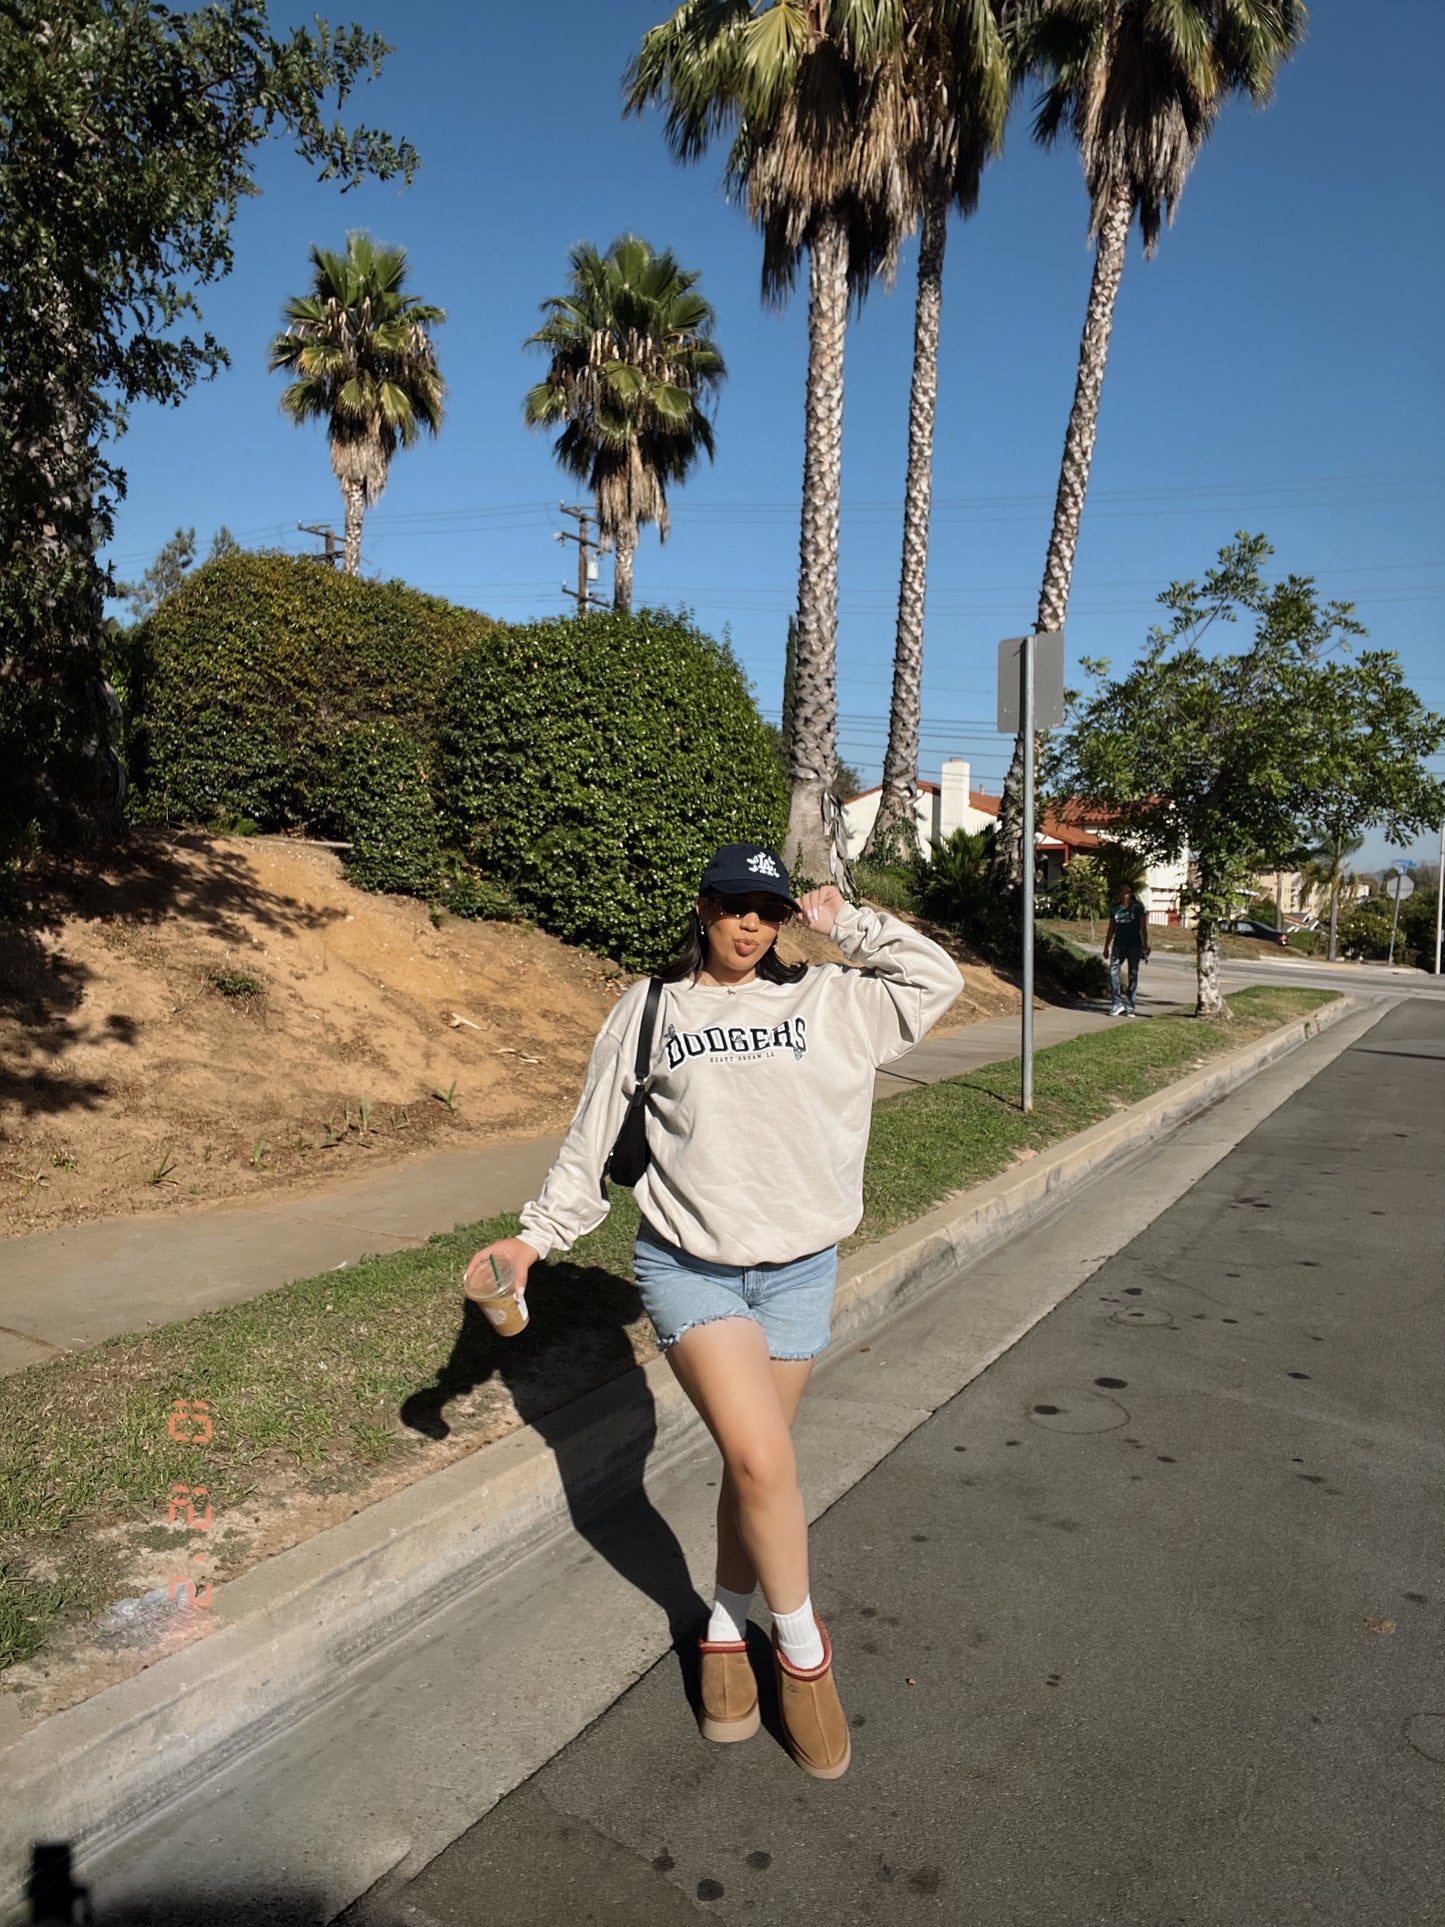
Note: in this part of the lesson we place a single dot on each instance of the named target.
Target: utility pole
(328, 535)
(587, 551)
(1440, 900)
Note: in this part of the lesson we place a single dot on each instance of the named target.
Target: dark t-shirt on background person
(1129, 922)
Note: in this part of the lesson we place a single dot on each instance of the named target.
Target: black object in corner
(630, 1155)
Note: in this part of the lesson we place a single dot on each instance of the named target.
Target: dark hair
(691, 955)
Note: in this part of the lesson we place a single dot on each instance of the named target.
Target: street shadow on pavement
(578, 1351)
(53, 1895)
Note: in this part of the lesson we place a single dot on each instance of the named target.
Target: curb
(288, 1633)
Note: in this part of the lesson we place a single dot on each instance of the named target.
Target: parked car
(1251, 927)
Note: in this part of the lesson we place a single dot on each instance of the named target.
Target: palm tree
(364, 364)
(955, 58)
(807, 93)
(1324, 867)
(632, 360)
(1140, 85)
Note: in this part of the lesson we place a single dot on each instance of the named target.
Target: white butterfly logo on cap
(762, 865)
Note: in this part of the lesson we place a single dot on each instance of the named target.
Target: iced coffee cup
(495, 1290)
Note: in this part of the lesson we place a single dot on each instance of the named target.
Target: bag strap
(649, 1025)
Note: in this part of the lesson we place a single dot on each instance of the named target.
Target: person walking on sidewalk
(759, 1102)
(1126, 942)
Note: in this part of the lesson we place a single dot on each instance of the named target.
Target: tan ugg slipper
(729, 1691)
(814, 1723)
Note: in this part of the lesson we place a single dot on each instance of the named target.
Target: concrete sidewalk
(61, 1291)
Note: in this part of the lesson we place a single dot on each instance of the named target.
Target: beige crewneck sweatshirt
(761, 1100)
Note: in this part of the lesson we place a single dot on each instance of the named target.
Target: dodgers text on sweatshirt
(760, 1100)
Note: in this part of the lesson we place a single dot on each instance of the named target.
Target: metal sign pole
(1027, 665)
(1030, 697)
(1395, 920)
(1440, 900)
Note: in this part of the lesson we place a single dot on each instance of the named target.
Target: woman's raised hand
(477, 1279)
(820, 908)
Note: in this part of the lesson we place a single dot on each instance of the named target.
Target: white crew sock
(798, 1636)
(729, 1615)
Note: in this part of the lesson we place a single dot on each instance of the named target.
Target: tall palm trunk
(624, 549)
(1109, 253)
(894, 835)
(353, 496)
(816, 843)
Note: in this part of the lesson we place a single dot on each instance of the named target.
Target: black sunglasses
(767, 909)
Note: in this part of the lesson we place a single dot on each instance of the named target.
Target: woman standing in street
(759, 1102)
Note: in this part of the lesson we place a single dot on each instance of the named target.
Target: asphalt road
(1144, 1626)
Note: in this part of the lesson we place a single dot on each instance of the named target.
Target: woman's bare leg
(734, 1567)
(748, 1402)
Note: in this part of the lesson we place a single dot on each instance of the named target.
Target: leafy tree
(633, 362)
(846, 780)
(1139, 84)
(127, 132)
(953, 71)
(1368, 928)
(1082, 890)
(364, 364)
(805, 91)
(164, 576)
(1230, 756)
(169, 570)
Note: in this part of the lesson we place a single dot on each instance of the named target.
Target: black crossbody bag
(630, 1155)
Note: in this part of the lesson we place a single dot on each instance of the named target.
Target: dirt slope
(212, 1019)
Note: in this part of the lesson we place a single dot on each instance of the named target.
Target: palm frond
(1141, 83)
(362, 353)
(632, 367)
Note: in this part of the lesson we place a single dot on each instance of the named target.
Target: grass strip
(940, 1139)
(328, 1385)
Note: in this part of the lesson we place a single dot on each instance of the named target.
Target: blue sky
(1276, 367)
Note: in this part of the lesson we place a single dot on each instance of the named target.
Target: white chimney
(953, 803)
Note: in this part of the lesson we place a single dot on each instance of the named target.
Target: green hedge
(594, 765)
(242, 684)
(378, 798)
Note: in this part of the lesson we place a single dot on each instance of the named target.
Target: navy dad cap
(742, 867)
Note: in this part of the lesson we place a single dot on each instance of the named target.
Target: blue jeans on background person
(1124, 996)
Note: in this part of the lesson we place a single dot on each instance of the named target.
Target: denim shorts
(793, 1302)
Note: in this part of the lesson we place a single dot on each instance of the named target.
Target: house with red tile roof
(1060, 835)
